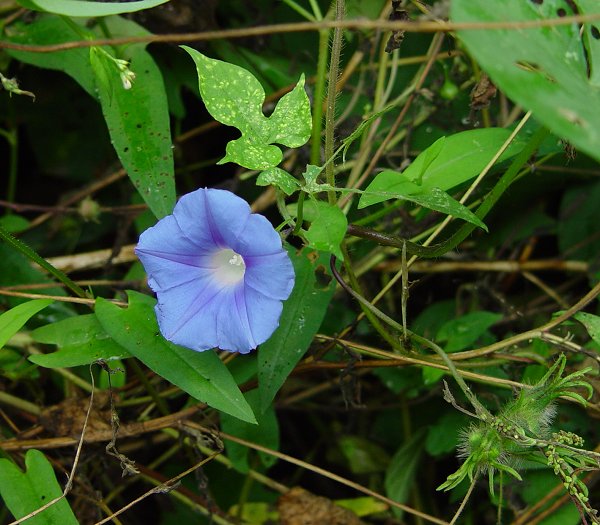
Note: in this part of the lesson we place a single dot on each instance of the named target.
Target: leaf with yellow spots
(234, 97)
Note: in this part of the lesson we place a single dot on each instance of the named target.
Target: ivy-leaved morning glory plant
(220, 273)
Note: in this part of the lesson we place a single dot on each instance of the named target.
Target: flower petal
(153, 239)
(182, 255)
(210, 217)
(258, 238)
(271, 275)
(187, 314)
(171, 263)
(263, 314)
(234, 332)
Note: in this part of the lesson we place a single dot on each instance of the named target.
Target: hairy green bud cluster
(521, 429)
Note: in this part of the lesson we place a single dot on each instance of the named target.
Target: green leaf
(400, 475)
(537, 487)
(53, 30)
(430, 198)
(17, 269)
(201, 374)
(14, 367)
(255, 512)
(138, 122)
(462, 332)
(265, 432)
(89, 9)
(577, 228)
(591, 323)
(442, 437)
(103, 69)
(393, 185)
(279, 178)
(363, 456)
(360, 129)
(328, 226)
(448, 162)
(363, 506)
(310, 175)
(13, 320)
(541, 68)
(234, 97)
(302, 315)
(24, 492)
(14, 223)
(81, 341)
(137, 119)
(116, 378)
(591, 40)
(431, 376)
(429, 155)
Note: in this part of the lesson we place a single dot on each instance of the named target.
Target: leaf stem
(299, 213)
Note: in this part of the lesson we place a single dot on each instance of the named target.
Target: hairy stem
(334, 63)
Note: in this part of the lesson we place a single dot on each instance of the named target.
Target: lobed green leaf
(25, 492)
(278, 178)
(234, 97)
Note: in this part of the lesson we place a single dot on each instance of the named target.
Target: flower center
(229, 266)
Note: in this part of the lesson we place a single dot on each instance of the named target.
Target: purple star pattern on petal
(219, 272)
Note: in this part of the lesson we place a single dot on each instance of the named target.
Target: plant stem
(315, 145)
(334, 63)
(158, 401)
(368, 313)
(13, 142)
(479, 408)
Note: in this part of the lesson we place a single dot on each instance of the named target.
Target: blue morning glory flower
(219, 272)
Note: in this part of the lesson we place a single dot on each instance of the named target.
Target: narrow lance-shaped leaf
(444, 165)
(234, 97)
(401, 473)
(13, 320)
(138, 122)
(89, 9)
(81, 340)
(302, 315)
(201, 374)
(137, 118)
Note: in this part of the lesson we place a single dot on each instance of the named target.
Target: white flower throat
(229, 266)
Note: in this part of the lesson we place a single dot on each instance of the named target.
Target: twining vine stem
(298, 27)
